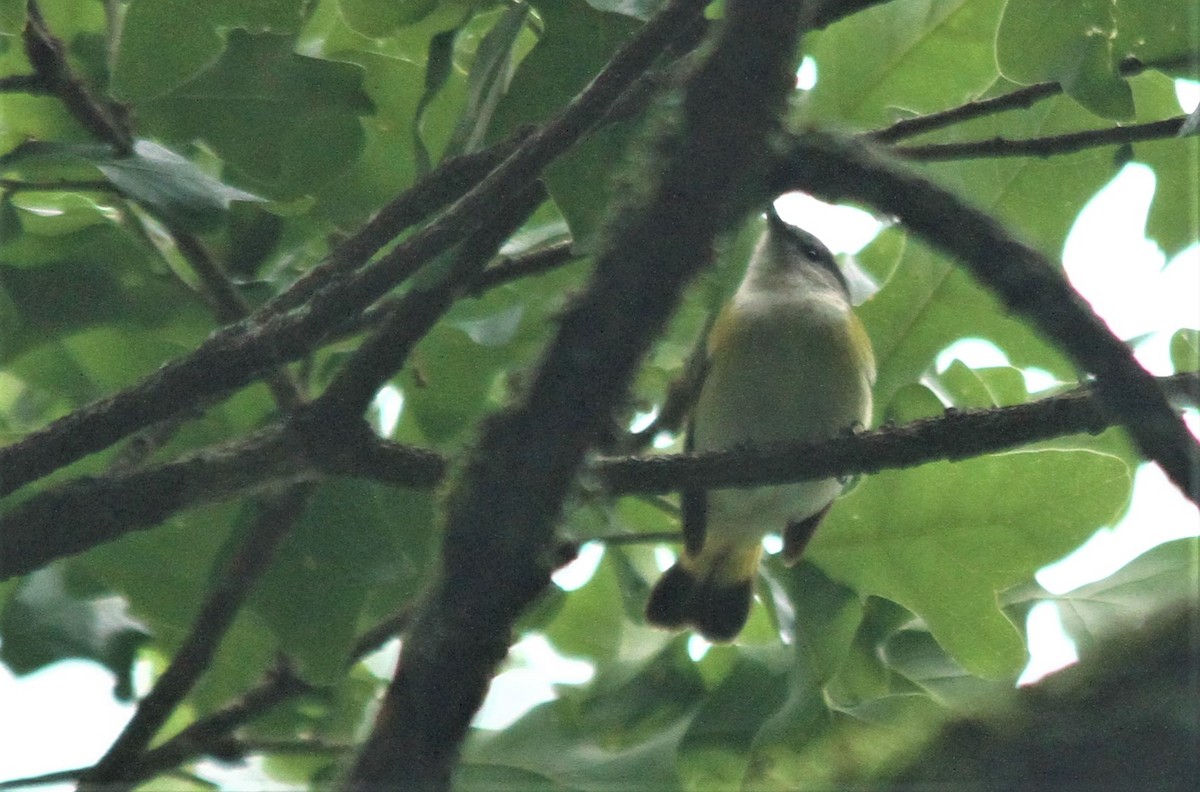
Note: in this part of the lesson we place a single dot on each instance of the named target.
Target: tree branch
(46, 55)
(24, 83)
(499, 537)
(233, 584)
(1068, 143)
(510, 268)
(74, 516)
(1021, 277)
(1020, 98)
(408, 319)
(211, 735)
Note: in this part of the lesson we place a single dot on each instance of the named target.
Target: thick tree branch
(1023, 279)
(91, 510)
(1068, 143)
(499, 536)
(77, 515)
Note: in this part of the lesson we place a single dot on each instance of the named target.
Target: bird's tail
(711, 592)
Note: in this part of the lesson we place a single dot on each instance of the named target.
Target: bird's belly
(751, 513)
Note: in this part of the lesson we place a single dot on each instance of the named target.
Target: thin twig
(79, 185)
(211, 735)
(25, 83)
(1068, 143)
(510, 268)
(375, 637)
(1019, 98)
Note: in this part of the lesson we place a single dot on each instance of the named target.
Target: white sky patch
(537, 668)
(67, 706)
(806, 75)
(579, 571)
(1187, 92)
(697, 647)
(1053, 650)
(1110, 262)
(843, 229)
(1157, 513)
(387, 406)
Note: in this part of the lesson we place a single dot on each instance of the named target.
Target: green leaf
(1173, 210)
(863, 676)
(378, 18)
(12, 17)
(1150, 583)
(1157, 32)
(928, 304)
(914, 653)
(438, 65)
(912, 402)
(982, 388)
(590, 623)
(577, 42)
(620, 732)
(281, 120)
(174, 188)
(1185, 350)
(172, 185)
(44, 621)
(355, 537)
(943, 539)
(487, 81)
(1068, 41)
(115, 273)
(448, 385)
(163, 44)
(58, 214)
(897, 59)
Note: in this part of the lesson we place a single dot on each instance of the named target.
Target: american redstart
(787, 360)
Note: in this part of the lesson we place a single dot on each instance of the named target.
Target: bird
(787, 359)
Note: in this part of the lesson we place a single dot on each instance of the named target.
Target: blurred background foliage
(273, 129)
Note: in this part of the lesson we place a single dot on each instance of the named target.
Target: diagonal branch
(1021, 277)
(48, 58)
